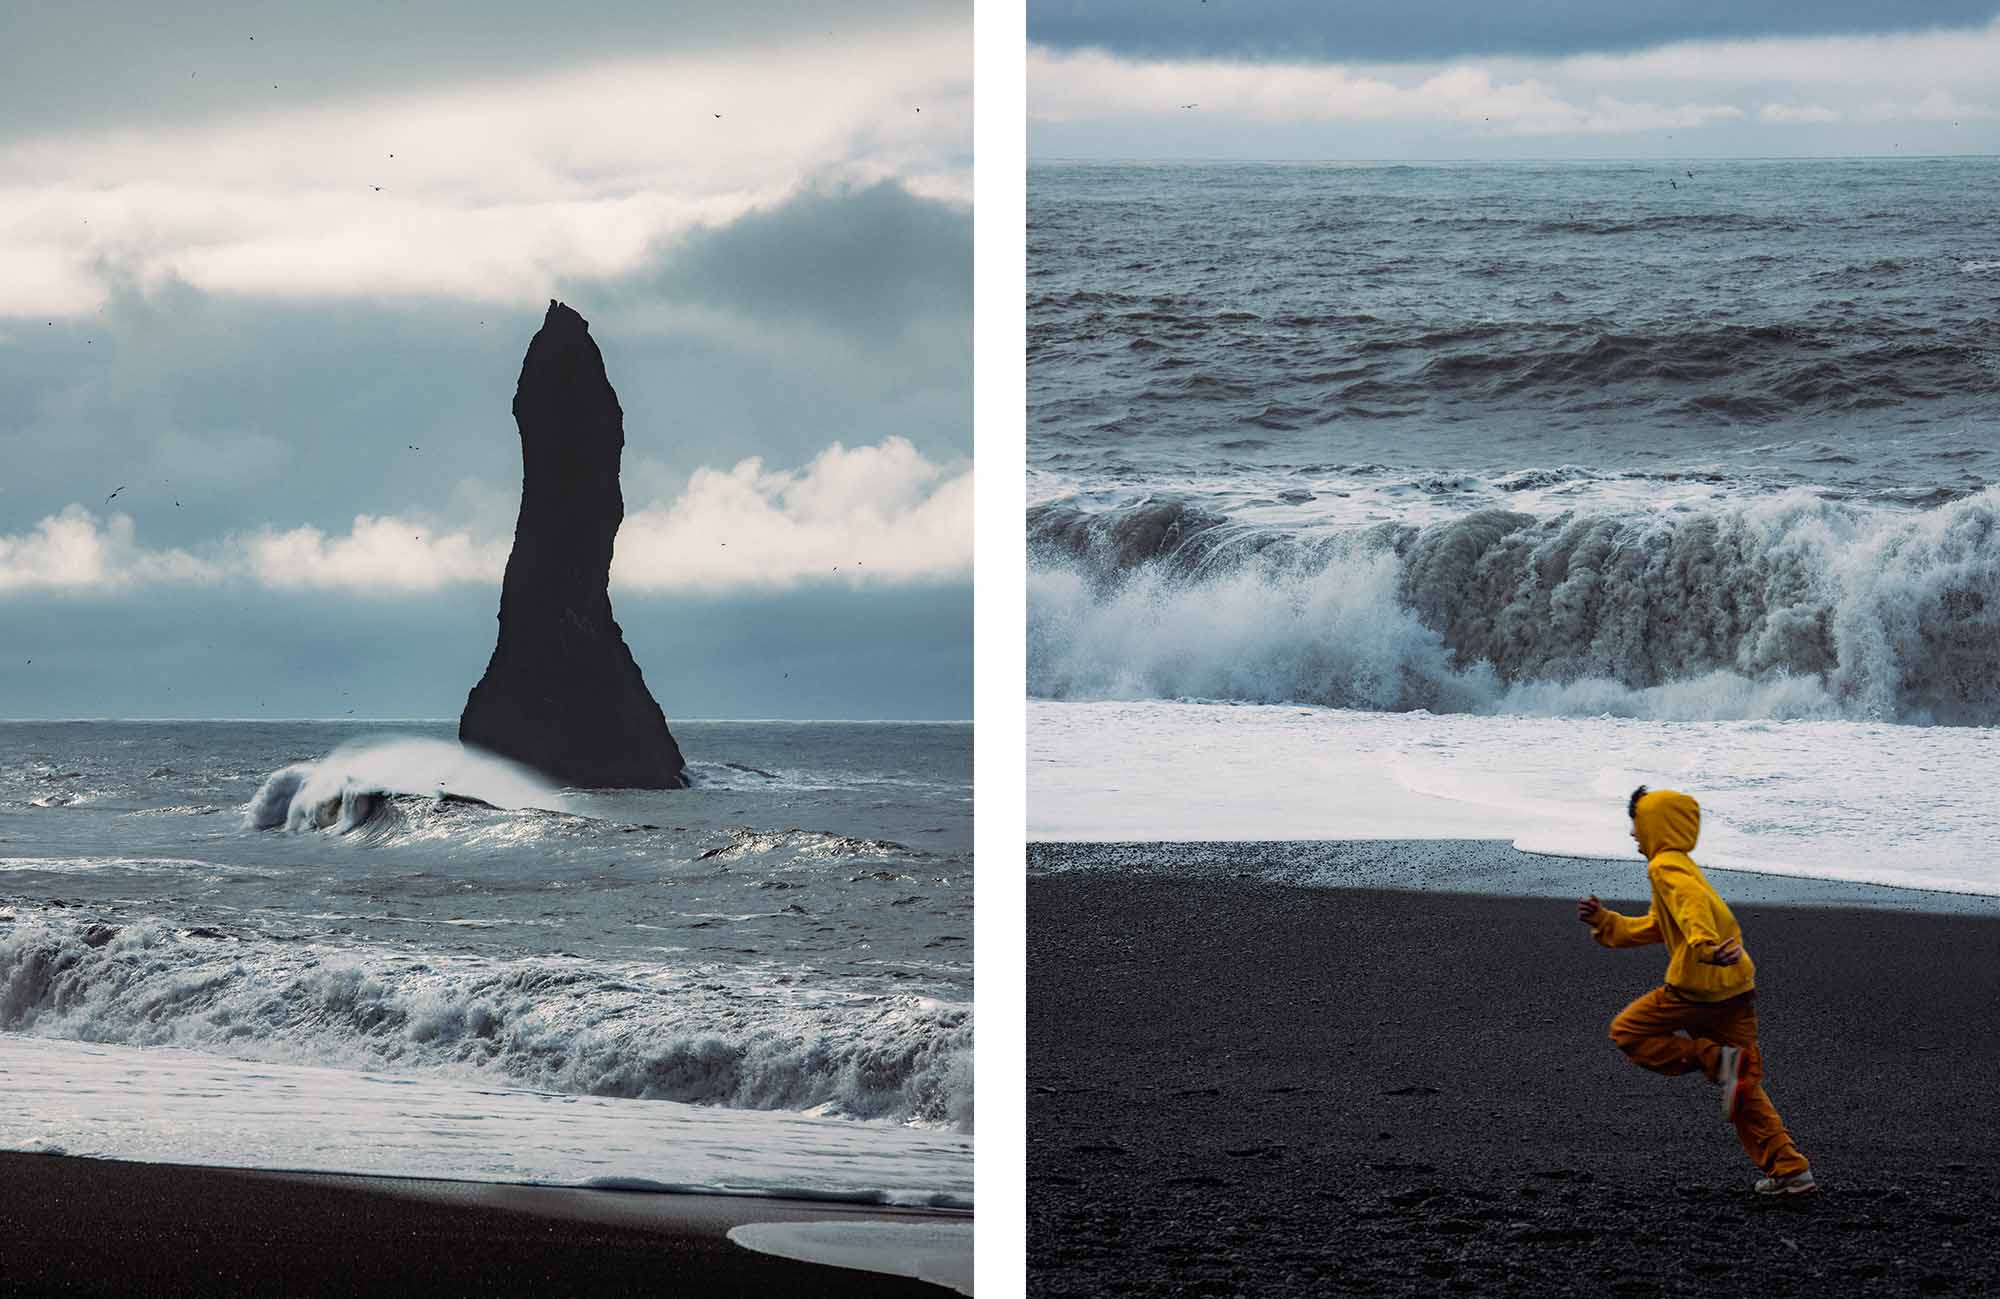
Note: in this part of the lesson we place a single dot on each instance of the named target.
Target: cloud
(1936, 107)
(377, 556)
(871, 514)
(1900, 59)
(881, 515)
(88, 62)
(1090, 83)
(1744, 96)
(875, 259)
(1424, 30)
(215, 406)
(496, 189)
(1796, 113)
(71, 551)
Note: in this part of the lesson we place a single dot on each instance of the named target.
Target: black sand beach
(1241, 1086)
(102, 1227)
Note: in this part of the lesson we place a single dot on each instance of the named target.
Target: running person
(1702, 1017)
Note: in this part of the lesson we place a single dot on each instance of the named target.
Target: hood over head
(1666, 820)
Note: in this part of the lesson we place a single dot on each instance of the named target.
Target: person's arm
(1611, 929)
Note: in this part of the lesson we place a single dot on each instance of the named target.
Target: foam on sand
(1903, 806)
(940, 1253)
(167, 1105)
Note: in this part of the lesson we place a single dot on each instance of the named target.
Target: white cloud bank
(1088, 83)
(72, 551)
(487, 192)
(871, 514)
(863, 516)
(1942, 77)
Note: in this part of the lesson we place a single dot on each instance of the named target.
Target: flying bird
(107, 500)
(376, 188)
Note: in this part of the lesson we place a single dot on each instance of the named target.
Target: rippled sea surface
(1710, 440)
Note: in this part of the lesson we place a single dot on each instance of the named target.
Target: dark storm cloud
(234, 651)
(1411, 30)
(877, 262)
(95, 59)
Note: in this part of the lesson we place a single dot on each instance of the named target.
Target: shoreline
(1471, 867)
(118, 1227)
(1240, 1085)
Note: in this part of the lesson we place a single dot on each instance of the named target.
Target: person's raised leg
(1649, 1033)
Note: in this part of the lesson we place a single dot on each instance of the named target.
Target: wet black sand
(1245, 1087)
(103, 1227)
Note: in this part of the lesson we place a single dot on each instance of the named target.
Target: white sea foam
(1788, 607)
(940, 1253)
(168, 1105)
(1897, 805)
(566, 1024)
(347, 787)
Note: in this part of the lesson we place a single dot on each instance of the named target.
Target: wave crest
(567, 1026)
(363, 781)
(1792, 606)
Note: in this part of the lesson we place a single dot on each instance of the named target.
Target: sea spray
(1788, 606)
(352, 784)
(559, 1023)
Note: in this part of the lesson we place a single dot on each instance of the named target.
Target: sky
(1463, 79)
(271, 273)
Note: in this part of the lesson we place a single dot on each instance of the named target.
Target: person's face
(1636, 845)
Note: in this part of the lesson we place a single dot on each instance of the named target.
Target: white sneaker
(1799, 1183)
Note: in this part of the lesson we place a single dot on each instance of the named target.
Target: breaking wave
(567, 1025)
(1792, 606)
(368, 782)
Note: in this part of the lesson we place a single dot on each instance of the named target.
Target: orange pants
(1651, 1031)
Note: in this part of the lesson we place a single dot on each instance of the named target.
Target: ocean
(355, 947)
(1369, 498)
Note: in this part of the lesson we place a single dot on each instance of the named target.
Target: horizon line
(784, 721)
(1595, 157)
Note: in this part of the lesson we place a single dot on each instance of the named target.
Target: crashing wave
(562, 1024)
(360, 783)
(1785, 607)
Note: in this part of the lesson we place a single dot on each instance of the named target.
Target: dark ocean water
(1518, 437)
(793, 933)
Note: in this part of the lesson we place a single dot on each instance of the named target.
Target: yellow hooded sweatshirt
(1687, 914)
